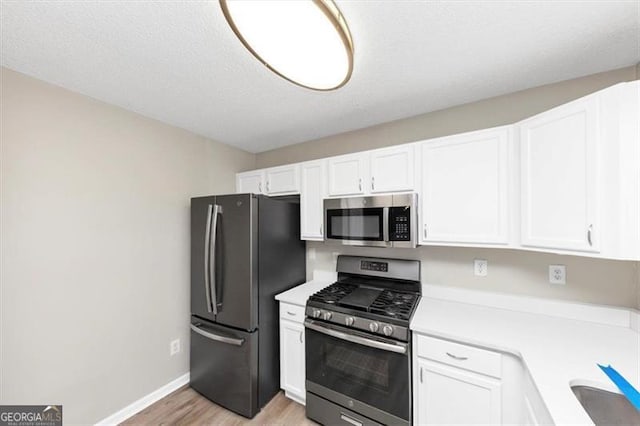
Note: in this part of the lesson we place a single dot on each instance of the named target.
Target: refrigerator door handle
(212, 259)
(216, 337)
(207, 251)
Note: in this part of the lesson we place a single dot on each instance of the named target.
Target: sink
(606, 408)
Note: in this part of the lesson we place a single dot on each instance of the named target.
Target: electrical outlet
(480, 267)
(312, 253)
(557, 274)
(174, 347)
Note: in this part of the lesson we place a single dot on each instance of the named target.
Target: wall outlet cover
(480, 267)
(174, 347)
(557, 274)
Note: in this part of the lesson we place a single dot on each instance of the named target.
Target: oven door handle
(400, 348)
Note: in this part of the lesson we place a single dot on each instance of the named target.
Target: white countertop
(557, 351)
(299, 295)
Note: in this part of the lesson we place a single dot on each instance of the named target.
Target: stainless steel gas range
(358, 343)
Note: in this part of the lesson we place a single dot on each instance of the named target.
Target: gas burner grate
(394, 304)
(333, 293)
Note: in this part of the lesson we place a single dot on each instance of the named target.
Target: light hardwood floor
(187, 407)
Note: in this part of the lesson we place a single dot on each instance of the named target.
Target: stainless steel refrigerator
(245, 249)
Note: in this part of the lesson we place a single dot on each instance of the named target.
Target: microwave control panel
(400, 223)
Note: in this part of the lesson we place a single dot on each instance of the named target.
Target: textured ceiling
(178, 62)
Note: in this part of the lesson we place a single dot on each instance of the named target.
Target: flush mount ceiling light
(305, 41)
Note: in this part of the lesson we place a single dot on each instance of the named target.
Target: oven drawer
(327, 413)
(291, 312)
(458, 355)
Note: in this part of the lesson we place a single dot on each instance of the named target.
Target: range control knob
(316, 313)
(387, 330)
(349, 321)
(374, 326)
(326, 316)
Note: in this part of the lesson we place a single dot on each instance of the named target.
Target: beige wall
(95, 247)
(606, 282)
(512, 271)
(486, 113)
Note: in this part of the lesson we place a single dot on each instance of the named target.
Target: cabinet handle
(301, 336)
(291, 313)
(458, 358)
(320, 229)
(425, 231)
(589, 230)
(360, 184)
(421, 381)
(373, 183)
(267, 186)
(260, 187)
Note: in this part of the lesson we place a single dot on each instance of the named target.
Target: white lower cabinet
(456, 384)
(292, 363)
(449, 395)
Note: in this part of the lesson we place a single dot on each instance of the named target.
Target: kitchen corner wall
(510, 271)
(95, 247)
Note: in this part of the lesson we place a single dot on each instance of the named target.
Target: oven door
(367, 374)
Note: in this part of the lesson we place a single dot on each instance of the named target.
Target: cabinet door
(283, 180)
(559, 175)
(311, 200)
(347, 174)
(465, 188)
(392, 169)
(252, 182)
(292, 373)
(449, 395)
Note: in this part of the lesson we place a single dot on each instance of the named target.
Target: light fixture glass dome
(305, 41)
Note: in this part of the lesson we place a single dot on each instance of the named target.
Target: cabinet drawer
(461, 356)
(291, 312)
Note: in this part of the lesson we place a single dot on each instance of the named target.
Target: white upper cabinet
(347, 174)
(372, 172)
(312, 192)
(465, 188)
(283, 180)
(252, 182)
(392, 169)
(564, 181)
(560, 203)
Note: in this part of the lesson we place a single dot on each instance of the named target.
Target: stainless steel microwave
(377, 221)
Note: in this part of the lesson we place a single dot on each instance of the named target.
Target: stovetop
(386, 303)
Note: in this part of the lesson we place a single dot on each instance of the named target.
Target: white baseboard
(139, 405)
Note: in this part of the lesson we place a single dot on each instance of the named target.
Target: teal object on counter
(625, 387)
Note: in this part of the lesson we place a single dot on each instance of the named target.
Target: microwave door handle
(207, 256)
(213, 290)
(385, 223)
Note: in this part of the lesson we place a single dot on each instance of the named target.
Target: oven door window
(355, 224)
(374, 376)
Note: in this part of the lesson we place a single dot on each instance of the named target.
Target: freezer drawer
(224, 366)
